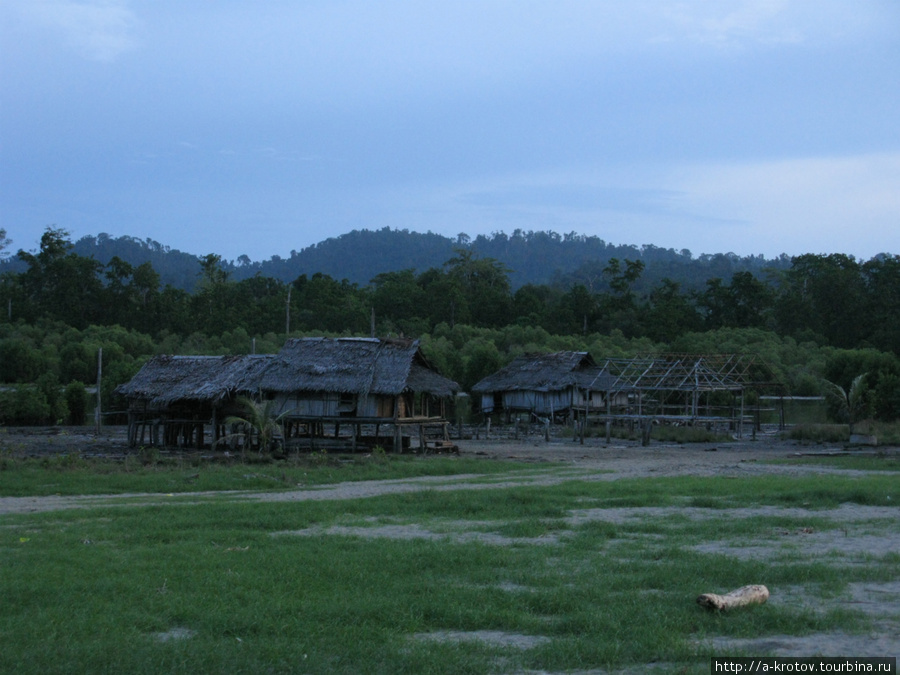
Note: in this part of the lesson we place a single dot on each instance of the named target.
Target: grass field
(582, 575)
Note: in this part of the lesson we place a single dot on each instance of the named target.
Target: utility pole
(287, 312)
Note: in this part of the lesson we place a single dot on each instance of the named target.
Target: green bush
(887, 397)
(19, 361)
(820, 433)
(77, 402)
(53, 394)
(30, 407)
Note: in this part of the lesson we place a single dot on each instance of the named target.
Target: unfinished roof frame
(671, 388)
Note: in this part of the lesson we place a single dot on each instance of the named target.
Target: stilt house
(547, 385)
(351, 382)
(173, 398)
(319, 384)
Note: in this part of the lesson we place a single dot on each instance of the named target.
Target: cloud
(745, 22)
(576, 197)
(99, 30)
(817, 204)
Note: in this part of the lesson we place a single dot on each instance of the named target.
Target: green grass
(819, 433)
(876, 462)
(92, 590)
(73, 475)
(887, 433)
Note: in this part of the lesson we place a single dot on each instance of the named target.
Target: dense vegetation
(360, 255)
(820, 316)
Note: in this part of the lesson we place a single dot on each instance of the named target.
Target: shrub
(77, 402)
(49, 386)
(30, 406)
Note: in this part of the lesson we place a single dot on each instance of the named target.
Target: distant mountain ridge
(358, 256)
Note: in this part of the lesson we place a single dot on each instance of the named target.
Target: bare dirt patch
(495, 638)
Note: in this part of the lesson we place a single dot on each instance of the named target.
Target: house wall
(322, 404)
(540, 402)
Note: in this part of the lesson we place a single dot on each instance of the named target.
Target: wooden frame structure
(680, 389)
(686, 389)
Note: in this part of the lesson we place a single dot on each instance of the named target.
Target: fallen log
(746, 595)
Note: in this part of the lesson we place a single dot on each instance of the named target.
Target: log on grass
(746, 595)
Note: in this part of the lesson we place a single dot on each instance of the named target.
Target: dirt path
(592, 461)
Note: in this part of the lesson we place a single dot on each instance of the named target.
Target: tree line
(465, 311)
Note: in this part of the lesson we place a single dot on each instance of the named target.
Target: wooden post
(608, 416)
(781, 416)
(646, 429)
(584, 425)
(132, 428)
(99, 388)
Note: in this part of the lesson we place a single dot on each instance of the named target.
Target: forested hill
(360, 255)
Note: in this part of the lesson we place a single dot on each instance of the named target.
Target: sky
(258, 128)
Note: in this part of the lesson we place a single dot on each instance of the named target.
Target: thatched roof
(353, 365)
(166, 379)
(543, 372)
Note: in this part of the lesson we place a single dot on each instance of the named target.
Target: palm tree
(260, 426)
(851, 402)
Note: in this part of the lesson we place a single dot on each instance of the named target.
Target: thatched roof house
(544, 384)
(361, 377)
(180, 393)
(167, 380)
(312, 380)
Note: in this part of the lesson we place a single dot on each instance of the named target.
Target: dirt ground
(616, 460)
(865, 531)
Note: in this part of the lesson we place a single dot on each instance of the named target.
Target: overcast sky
(237, 127)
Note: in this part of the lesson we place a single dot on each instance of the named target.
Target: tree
(76, 402)
(398, 298)
(851, 404)
(745, 303)
(670, 313)
(61, 284)
(823, 296)
(215, 306)
(484, 283)
(260, 424)
(881, 276)
(4, 244)
(619, 307)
